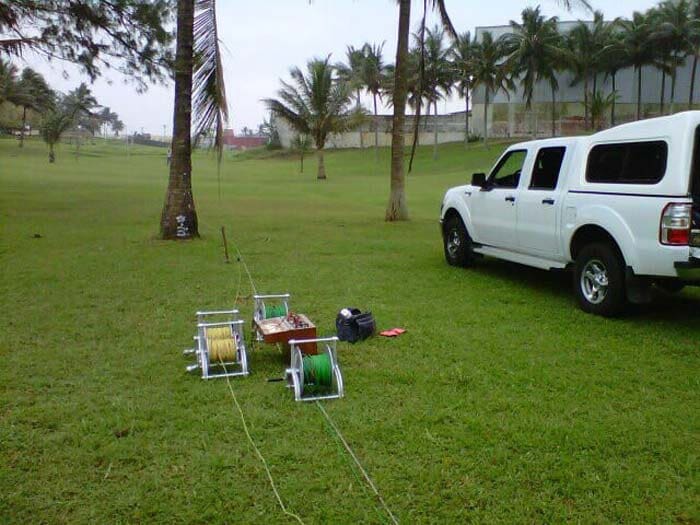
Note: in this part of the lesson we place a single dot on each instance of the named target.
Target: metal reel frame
(213, 370)
(295, 373)
(259, 308)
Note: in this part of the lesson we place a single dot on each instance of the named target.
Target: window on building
(628, 163)
(507, 172)
(545, 172)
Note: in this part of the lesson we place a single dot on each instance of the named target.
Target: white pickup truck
(620, 207)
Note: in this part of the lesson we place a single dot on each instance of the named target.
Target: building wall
(450, 128)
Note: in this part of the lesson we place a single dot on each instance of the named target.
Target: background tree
(200, 99)
(33, 93)
(438, 74)
(373, 71)
(636, 37)
(614, 60)
(130, 36)
(8, 80)
(54, 123)
(533, 50)
(694, 39)
(301, 144)
(352, 73)
(673, 34)
(462, 54)
(316, 105)
(489, 71)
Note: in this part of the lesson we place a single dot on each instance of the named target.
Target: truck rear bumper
(688, 270)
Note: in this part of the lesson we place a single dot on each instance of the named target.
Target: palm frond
(209, 105)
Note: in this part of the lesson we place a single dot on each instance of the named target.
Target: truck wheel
(458, 244)
(599, 280)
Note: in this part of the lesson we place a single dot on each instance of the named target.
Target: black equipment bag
(357, 327)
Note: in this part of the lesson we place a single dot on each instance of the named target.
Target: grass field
(502, 403)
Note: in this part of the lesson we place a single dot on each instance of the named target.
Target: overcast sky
(262, 39)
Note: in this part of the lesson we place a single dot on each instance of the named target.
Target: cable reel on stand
(315, 377)
(220, 346)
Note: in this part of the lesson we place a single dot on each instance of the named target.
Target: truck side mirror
(479, 180)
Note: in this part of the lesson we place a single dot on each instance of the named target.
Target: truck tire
(599, 280)
(457, 243)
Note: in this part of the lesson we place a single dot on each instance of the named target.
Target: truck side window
(545, 172)
(628, 163)
(507, 173)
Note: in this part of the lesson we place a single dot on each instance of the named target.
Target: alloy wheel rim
(453, 243)
(594, 281)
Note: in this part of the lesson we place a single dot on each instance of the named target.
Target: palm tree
(636, 37)
(613, 61)
(301, 144)
(674, 30)
(587, 48)
(54, 123)
(694, 39)
(200, 99)
(462, 57)
(489, 71)
(373, 73)
(317, 105)
(352, 72)
(8, 80)
(438, 73)
(533, 50)
(33, 93)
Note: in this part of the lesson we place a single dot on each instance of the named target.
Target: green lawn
(502, 403)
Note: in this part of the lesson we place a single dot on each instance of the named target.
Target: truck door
(493, 207)
(538, 204)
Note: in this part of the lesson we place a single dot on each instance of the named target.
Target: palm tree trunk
(52, 155)
(672, 102)
(179, 218)
(397, 209)
(612, 106)
(24, 126)
(692, 81)
(321, 173)
(466, 116)
(639, 92)
(362, 141)
(486, 120)
(376, 130)
(554, 112)
(663, 92)
(585, 101)
(301, 160)
(435, 139)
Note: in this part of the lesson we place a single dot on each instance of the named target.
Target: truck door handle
(510, 198)
(548, 201)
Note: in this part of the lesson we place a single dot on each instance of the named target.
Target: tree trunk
(362, 140)
(585, 101)
(672, 102)
(486, 118)
(52, 155)
(179, 218)
(554, 112)
(376, 130)
(24, 126)
(301, 159)
(639, 92)
(612, 106)
(663, 92)
(321, 173)
(435, 139)
(397, 209)
(692, 81)
(466, 116)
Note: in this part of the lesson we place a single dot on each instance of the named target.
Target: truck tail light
(675, 224)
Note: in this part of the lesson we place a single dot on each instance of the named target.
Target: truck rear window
(628, 163)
